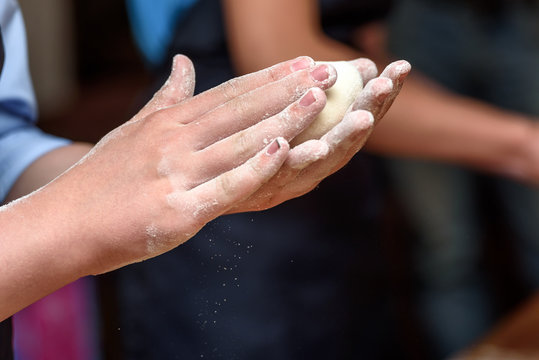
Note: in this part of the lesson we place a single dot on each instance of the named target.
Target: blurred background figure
(486, 60)
(487, 51)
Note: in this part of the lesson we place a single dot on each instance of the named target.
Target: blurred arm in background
(427, 122)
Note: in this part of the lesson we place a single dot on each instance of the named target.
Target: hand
(309, 163)
(152, 183)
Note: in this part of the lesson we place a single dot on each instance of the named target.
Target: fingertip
(301, 63)
(313, 95)
(397, 70)
(374, 94)
(268, 161)
(367, 69)
(278, 145)
(379, 87)
(367, 118)
(324, 74)
(354, 123)
(307, 153)
(181, 60)
(404, 65)
(181, 81)
(182, 67)
(359, 119)
(319, 93)
(273, 147)
(402, 68)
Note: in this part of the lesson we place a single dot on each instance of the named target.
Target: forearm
(425, 122)
(317, 45)
(297, 33)
(38, 253)
(431, 123)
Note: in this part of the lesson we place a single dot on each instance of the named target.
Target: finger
(244, 144)
(335, 149)
(259, 104)
(233, 88)
(365, 123)
(353, 128)
(272, 192)
(373, 96)
(306, 153)
(397, 72)
(179, 86)
(367, 69)
(299, 158)
(343, 141)
(217, 195)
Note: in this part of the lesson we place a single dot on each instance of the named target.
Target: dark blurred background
(87, 73)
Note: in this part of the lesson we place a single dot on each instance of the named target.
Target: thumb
(179, 86)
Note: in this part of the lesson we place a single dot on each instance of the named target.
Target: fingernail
(274, 147)
(301, 63)
(320, 73)
(307, 99)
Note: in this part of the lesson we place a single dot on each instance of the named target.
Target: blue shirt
(153, 24)
(21, 142)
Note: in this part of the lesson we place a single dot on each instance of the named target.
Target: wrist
(37, 254)
(75, 228)
(518, 162)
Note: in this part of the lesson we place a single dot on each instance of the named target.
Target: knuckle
(229, 89)
(241, 108)
(274, 73)
(227, 185)
(298, 83)
(242, 146)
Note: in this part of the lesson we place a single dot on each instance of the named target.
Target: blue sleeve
(153, 24)
(21, 142)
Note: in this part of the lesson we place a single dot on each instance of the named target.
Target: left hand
(310, 162)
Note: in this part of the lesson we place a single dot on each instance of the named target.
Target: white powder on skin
(402, 67)
(188, 76)
(307, 153)
(347, 127)
(153, 242)
(202, 208)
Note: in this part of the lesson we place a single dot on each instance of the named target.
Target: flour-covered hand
(310, 162)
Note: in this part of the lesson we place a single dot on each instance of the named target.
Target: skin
(426, 122)
(152, 183)
(303, 170)
(155, 181)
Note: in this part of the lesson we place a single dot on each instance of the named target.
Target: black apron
(236, 291)
(6, 349)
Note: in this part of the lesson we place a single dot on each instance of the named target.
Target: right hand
(152, 183)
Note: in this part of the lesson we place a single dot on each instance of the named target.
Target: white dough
(339, 98)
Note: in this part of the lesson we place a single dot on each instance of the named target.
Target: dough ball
(339, 99)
